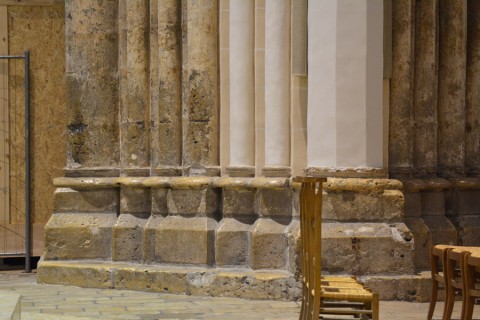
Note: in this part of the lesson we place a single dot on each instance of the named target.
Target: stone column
(277, 88)
(91, 37)
(242, 93)
(426, 85)
(472, 140)
(345, 125)
(167, 107)
(451, 87)
(135, 116)
(200, 87)
(401, 88)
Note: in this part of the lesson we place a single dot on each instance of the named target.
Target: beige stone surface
(269, 244)
(78, 200)
(185, 240)
(41, 31)
(367, 248)
(238, 202)
(203, 202)
(274, 202)
(426, 87)
(167, 99)
(442, 231)
(422, 244)
(232, 243)
(200, 83)
(128, 237)
(149, 232)
(92, 83)
(468, 229)
(401, 87)
(451, 87)
(135, 200)
(79, 236)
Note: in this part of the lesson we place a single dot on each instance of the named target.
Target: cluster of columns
(434, 119)
(142, 79)
(344, 122)
(144, 96)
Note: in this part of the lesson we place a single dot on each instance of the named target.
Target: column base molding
(135, 172)
(366, 173)
(276, 171)
(91, 172)
(167, 171)
(241, 171)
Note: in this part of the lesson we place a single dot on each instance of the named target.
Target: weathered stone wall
(434, 132)
(41, 31)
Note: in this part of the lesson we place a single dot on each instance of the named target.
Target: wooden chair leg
(433, 300)
(375, 307)
(449, 274)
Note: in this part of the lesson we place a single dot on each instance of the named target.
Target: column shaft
(426, 84)
(472, 141)
(135, 116)
(277, 83)
(92, 84)
(451, 87)
(200, 83)
(167, 109)
(242, 96)
(401, 87)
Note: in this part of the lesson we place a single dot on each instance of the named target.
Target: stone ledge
(177, 279)
(218, 282)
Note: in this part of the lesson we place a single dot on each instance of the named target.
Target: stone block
(294, 249)
(189, 240)
(150, 279)
(467, 202)
(404, 288)
(127, 237)
(269, 244)
(149, 233)
(85, 200)
(202, 202)
(441, 230)
(274, 202)
(135, 200)
(413, 205)
(468, 230)
(238, 202)
(159, 201)
(79, 236)
(75, 274)
(233, 238)
(433, 203)
(367, 248)
(364, 206)
(422, 243)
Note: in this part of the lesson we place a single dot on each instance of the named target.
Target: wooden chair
(471, 275)
(338, 295)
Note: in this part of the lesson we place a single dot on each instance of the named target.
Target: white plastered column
(242, 88)
(277, 88)
(345, 86)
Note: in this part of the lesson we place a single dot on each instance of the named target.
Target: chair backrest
(311, 232)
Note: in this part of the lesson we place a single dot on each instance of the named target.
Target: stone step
(46, 316)
(9, 305)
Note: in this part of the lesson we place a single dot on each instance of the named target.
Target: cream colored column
(242, 96)
(345, 123)
(277, 88)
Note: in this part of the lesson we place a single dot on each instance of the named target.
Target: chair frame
(338, 295)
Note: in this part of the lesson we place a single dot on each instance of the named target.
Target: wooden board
(4, 125)
(12, 239)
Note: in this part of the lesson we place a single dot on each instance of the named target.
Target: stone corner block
(79, 236)
(188, 240)
(127, 237)
(238, 202)
(192, 202)
(275, 202)
(232, 243)
(269, 244)
(441, 230)
(135, 200)
(367, 248)
(98, 200)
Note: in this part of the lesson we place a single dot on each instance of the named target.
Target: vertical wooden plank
(4, 163)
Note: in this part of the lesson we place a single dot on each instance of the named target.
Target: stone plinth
(219, 236)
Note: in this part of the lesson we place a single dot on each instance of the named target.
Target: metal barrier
(8, 234)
